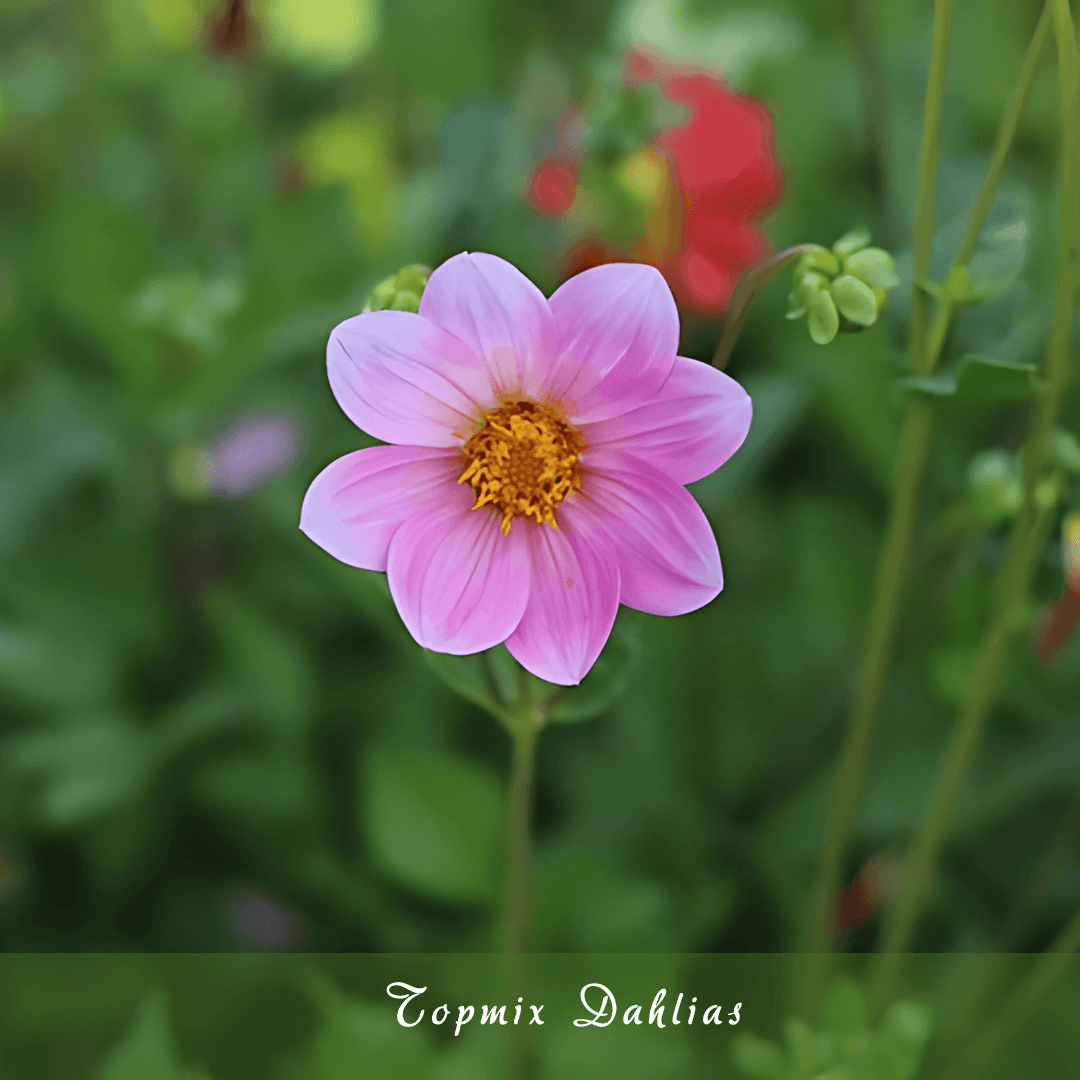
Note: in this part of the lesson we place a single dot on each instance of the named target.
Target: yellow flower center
(523, 461)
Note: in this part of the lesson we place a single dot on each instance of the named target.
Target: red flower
(723, 173)
(1057, 626)
(552, 188)
(875, 885)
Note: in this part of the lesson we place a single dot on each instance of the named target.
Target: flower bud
(874, 267)
(818, 258)
(824, 320)
(957, 288)
(851, 242)
(855, 300)
(400, 291)
(1047, 492)
(1066, 451)
(995, 487)
(844, 290)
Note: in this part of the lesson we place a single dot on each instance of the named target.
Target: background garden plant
(216, 737)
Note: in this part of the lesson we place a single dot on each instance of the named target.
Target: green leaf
(898, 1044)
(942, 385)
(147, 1050)
(983, 378)
(50, 436)
(271, 663)
(808, 1055)
(266, 789)
(434, 824)
(824, 321)
(1067, 450)
(356, 1038)
(605, 683)
(979, 379)
(1000, 258)
(855, 300)
(55, 671)
(843, 1013)
(84, 768)
(757, 1057)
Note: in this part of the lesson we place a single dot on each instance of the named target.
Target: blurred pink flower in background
(254, 450)
(539, 454)
(265, 921)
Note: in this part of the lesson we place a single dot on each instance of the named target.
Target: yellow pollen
(523, 461)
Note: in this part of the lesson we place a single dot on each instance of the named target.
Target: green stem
(923, 233)
(1047, 972)
(892, 562)
(524, 723)
(1026, 541)
(860, 18)
(915, 430)
(846, 792)
(752, 283)
(1003, 140)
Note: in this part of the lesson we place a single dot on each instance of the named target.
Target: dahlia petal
(615, 336)
(496, 311)
(353, 507)
(692, 425)
(669, 563)
(403, 379)
(460, 584)
(572, 604)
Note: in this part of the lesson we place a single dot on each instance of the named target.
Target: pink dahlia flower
(537, 461)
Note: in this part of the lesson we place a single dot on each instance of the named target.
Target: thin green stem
(915, 431)
(524, 724)
(860, 18)
(748, 288)
(1027, 538)
(1058, 854)
(892, 561)
(524, 721)
(923, 233)
(1046, 973)
(846, 792)
(1003, 140)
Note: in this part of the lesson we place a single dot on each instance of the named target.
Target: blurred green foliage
(213, 736)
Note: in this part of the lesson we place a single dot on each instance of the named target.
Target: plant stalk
(524, 730)
(748, 288)
(1047, 971)
(1027, 539)
(915, 431)
(892, 561)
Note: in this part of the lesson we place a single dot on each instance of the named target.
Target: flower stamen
(523, 461)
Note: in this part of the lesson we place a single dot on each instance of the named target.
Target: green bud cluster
(995, 484)
(843, 290)
(845, 1047)
(995, 479)
(400, 291)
